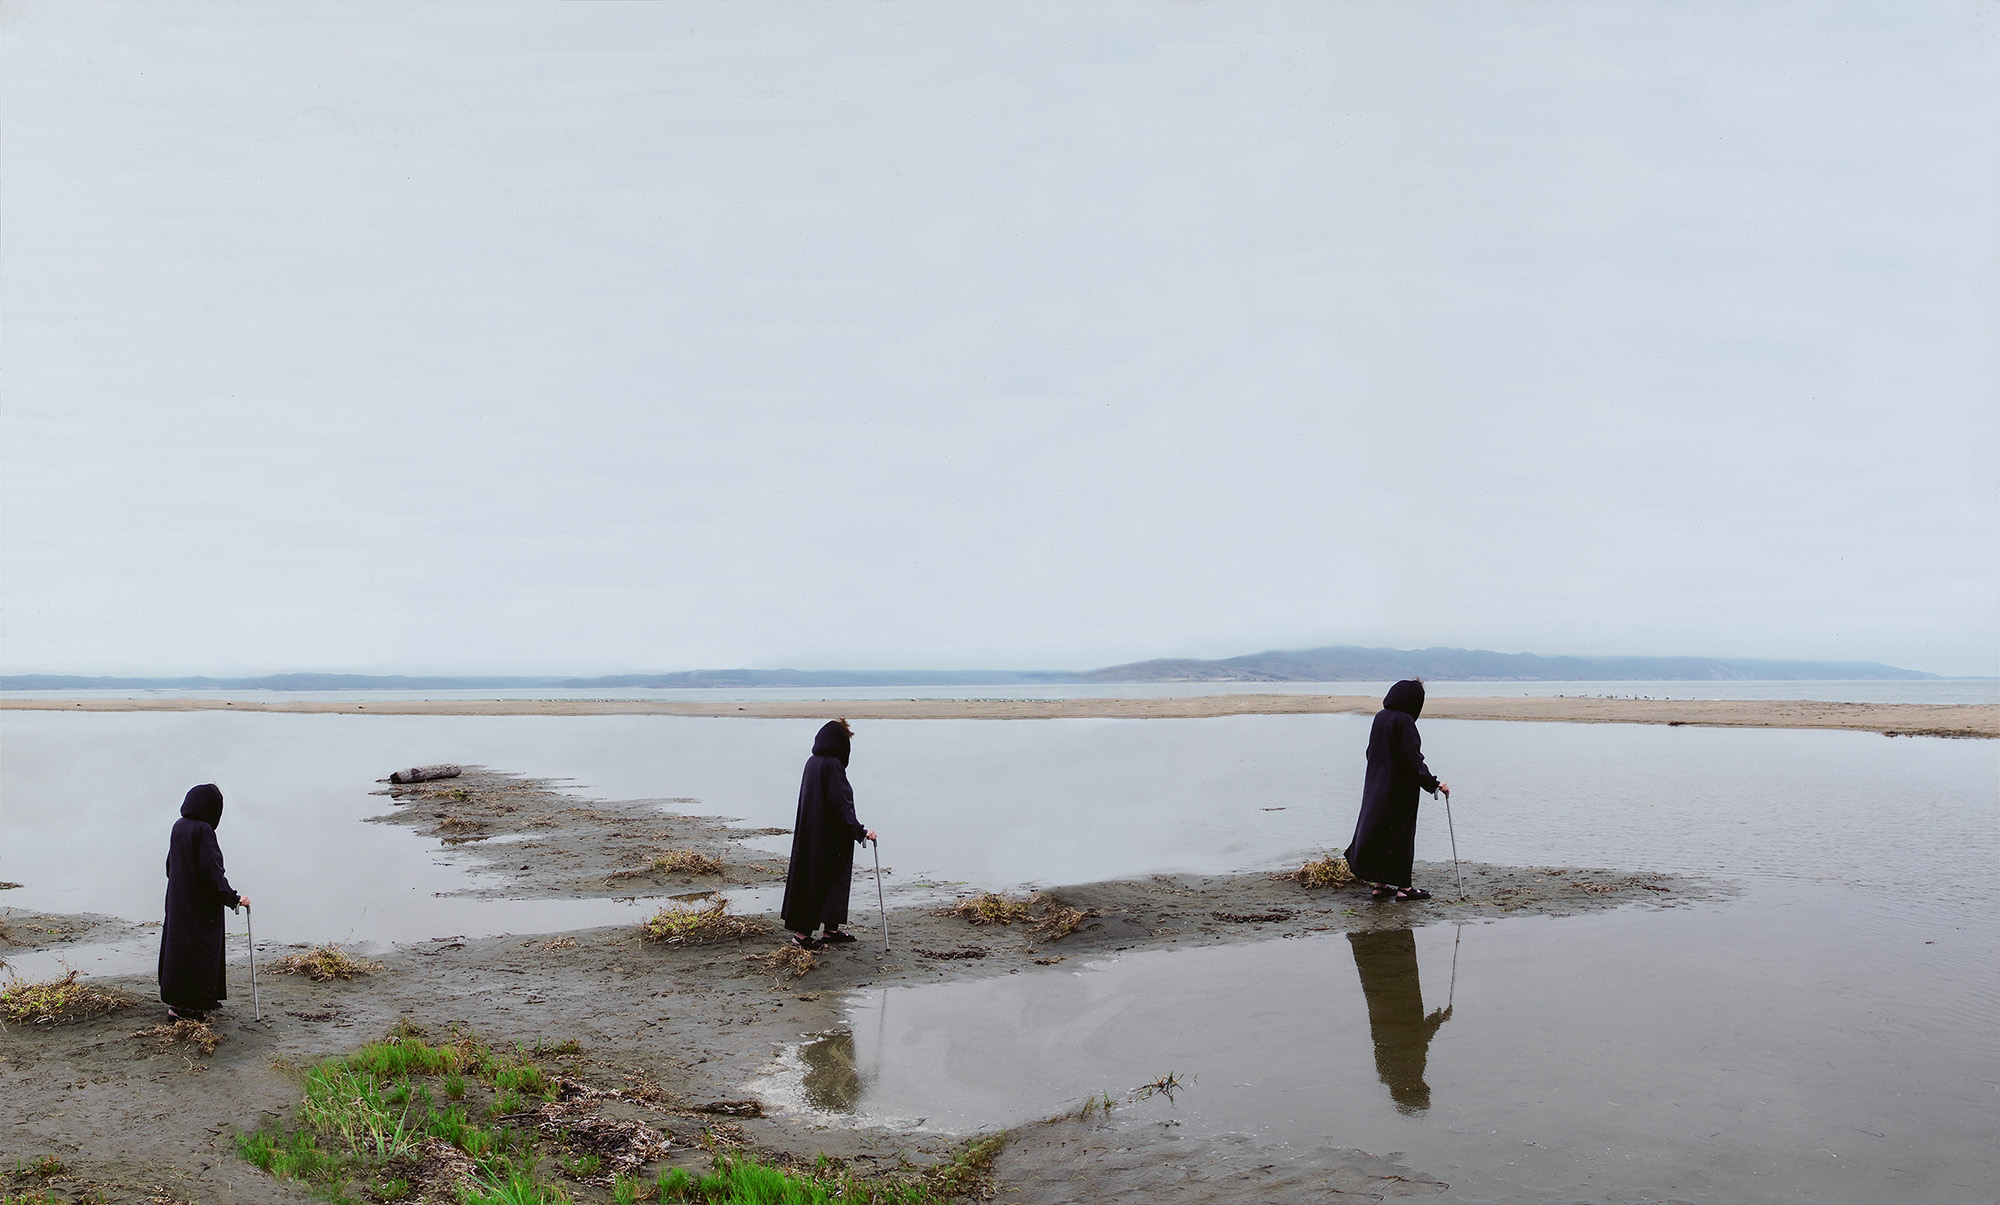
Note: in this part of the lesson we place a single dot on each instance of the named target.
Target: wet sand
(1893, 719)
(1965, 720)
(532, 840)
(677, 1028)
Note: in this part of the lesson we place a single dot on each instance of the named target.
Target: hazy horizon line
(971, 675)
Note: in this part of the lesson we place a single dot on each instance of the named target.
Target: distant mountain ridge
(1349, 663)
(1334, 663)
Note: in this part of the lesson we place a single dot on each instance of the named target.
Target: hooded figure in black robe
(1387, 962)
(191, 979)
(1385, 835)
(823, 839)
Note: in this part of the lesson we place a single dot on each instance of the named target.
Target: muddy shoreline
(1958, 720)
(675, 1029)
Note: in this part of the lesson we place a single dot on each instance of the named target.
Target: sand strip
(1979, 720)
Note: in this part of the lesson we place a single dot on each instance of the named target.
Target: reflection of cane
(256, 1007)
(1452, 993)
(1448, 827)
(877, 845)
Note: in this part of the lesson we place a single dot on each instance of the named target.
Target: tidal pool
(1764, 1049)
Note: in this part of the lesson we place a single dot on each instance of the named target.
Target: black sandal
(832, 936)
(1408, 894)
(1382, 893)
(806, 943)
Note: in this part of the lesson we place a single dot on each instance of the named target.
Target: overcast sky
(580, 338)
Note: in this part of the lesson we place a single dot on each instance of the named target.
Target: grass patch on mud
(59, 1001)
(461, 1122)
(323, 963)
(737, 1176)
(405, 1119)
(678, 925)
(40, 1171)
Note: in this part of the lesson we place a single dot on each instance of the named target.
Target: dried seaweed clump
(186, 1031)
(604, 1148)
(1055, 920)
(675, 925)
(1330, 871)
(988, 908)
(685, 861)
(790, 960)
(57, 1001)
(674, 861)
(322, 963)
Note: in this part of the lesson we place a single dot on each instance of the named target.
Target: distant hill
(1335, 663)
(270, 682)
(689, 678)
(1347, 663)
(830, 677)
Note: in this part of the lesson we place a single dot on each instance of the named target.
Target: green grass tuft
(515, 1188)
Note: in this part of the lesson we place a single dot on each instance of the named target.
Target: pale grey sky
(552, 338)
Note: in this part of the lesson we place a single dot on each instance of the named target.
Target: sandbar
(1963, 720)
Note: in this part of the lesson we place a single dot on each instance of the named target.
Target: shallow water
(89, 798)
(1749, 1051)
(1829, 1034)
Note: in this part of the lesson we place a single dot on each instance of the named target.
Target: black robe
(191, 976)
(1385, 835)
(1387, 963)
(823, 838)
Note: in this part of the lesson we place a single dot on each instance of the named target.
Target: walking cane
(256, 1005)
(877, 846)
(1454, 845)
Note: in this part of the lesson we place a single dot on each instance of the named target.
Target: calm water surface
(1829, 1034)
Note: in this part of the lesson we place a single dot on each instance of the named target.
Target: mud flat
(533, 840)
(669, 1034)
(23, 930)
(1962, 720)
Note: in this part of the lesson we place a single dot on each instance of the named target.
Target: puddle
(1763, 1049)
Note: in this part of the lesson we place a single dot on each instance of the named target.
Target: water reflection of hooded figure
(823, 839)
(191, 977)
(1385, 835)
(1387, 961)
(832, 1081)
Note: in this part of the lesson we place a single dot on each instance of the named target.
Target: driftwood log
(424, 773)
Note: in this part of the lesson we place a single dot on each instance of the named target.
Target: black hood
(203, 803)
(833, 741)
(1407, 697)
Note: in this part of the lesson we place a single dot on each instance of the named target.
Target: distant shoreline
(1968, 720)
